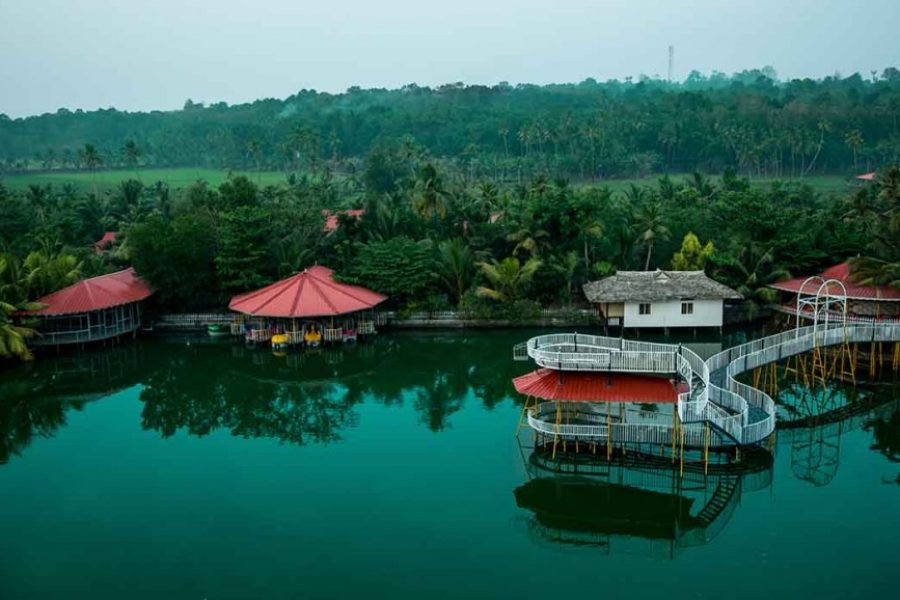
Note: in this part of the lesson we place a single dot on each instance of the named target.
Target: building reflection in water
(198, 385)
(634, 504)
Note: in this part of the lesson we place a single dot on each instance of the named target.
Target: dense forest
(750, 122)
(430, 243)
(463, 197)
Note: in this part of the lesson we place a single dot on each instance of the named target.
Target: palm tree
(508, 278)
(854, 141)
(875, 271)
(131, 153)
(751, 272)
(567, 267)
(590, 228)
(92, 159)
(129, 201)
(38, 196)
(254, 151)
(429, 195)
(455, 267)
(650, 228)
(13, 337)
(44, 272)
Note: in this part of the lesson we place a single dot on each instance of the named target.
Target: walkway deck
(742, 414)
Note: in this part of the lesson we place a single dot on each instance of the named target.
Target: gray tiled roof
(656, 286)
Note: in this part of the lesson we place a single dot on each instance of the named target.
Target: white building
(659, 299)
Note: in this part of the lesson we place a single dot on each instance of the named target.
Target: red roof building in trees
(96, 293)
(865, 303)
(95, 309)
(105, 242)
(331, 219)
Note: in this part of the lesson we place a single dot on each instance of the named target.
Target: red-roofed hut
(332, 221)
(307, 308)
(104, 243)
(865, 303)
(99, 308)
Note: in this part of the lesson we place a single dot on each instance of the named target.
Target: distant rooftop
(657, 286)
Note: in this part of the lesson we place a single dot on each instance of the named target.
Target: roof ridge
(340, 287)
(315, 282)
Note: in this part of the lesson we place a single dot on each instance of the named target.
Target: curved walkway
(743, 414)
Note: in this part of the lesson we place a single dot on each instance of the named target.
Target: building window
(687, 308)
(644, 309)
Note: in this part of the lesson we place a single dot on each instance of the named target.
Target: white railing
(744, 413)
(88, 334)
(773, 348)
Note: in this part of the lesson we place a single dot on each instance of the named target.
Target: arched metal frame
(822, 303)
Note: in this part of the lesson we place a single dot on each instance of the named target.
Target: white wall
(707, 313)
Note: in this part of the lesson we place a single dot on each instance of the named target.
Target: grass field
(182, 177)
(820, 183)
(176, 178)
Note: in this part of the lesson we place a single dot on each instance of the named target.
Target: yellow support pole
(706, 451)
(608, 430)
(872, 361)
(558, 424)
(522, 415)
(674, 430)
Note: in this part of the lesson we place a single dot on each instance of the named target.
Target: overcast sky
(142, 54)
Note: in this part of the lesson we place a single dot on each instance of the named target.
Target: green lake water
(191, 468)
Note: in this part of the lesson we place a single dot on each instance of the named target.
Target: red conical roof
(96, 293)
(312, 293)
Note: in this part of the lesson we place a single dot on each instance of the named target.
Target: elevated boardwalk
(741, 414)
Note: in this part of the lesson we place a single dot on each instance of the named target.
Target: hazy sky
(142, 54)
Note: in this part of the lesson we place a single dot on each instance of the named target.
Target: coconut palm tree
(131, 153)
(508, 278)
(650, 228)
(13, 337)
(455, 267)
(429, 195)
(750, 273)
(45, 272)
(875, 271)
(567, 267)
(91, 159)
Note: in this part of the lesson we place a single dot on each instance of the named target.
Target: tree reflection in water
(197, 385)
(35, 397)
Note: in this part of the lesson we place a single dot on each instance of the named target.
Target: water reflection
(198, 385)
(35, 398)
(637, 503)
(813, 422)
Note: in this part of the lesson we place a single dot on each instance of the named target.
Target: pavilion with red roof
(307, 307)
(99, 308)
(865, 303)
